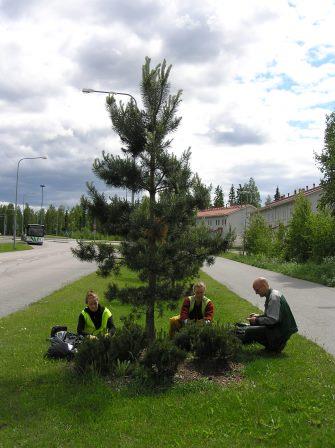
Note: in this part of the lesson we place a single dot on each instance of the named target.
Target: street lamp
(42, 187)
(17, 182)
(85, 90)
(109, 93)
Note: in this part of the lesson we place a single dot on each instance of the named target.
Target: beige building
(237, 217)
(221, 219)
(280, 211)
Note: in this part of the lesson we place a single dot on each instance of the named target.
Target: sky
(257, 80)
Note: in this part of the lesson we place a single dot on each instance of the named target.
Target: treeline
(57, 220)
(240, 195)
(308, 237)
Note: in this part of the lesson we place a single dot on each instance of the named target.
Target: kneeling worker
(273, 328)
(196, 308)
(95, 319)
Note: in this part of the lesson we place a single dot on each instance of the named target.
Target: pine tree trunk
(150, 321)
(150, 314)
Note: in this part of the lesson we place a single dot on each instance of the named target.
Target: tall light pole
(42, 187)
(85, 90)
(17, 182)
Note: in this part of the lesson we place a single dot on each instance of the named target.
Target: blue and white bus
(34, 234)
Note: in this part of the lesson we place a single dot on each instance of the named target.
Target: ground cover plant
(322, 272)
(284, 401)
(8, 247)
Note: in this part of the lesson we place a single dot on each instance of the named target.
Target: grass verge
(283, 401)
(322, 272)
(8, 247)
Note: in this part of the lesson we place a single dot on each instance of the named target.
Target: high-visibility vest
(89, 325)
(205, 301)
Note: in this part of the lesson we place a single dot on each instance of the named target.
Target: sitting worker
(95, 319)
(273, 328)
(196, 308)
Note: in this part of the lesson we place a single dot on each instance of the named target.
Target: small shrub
(215, 342)
(128, 342)
(185, 338)
(94, 356)
(162, 359)
(121, 368)
(105, 354)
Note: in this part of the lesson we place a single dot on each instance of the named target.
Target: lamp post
(42, 187)
(17, 182)
(86, 90)
(110, 92)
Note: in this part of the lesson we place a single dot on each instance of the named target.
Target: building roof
(289, 198)
(220, 211)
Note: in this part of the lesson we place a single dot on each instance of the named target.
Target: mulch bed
(223, 374)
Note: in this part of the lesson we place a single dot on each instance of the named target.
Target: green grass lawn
(322, 272)
(8, 247)
(286, 400)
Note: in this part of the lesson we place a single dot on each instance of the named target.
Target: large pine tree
(162, 242)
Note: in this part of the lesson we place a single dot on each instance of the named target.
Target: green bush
(258, 236)
(161, 360)
(228, 239)
(185, 338)
(105, 354)
(213, 342)
(216, 343)
(94, 355)
(299, 234)
(323, 235)
(128, 342)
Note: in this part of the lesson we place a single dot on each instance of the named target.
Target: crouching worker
(273, 328)
(196, 308)
(95, 319)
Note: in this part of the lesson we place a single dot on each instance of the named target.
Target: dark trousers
(261, 334)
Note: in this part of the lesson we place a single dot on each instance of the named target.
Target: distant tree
(60, 223)
(277, 194)
(66, 221)
(279, 241)
(258, 236)
(232, 196)
(248, 194)
(51, 220)
(326, 162)
(29, 216)
(299, 234)
(204, 191)
(218, 197)
(268, 200)
(323, 234)
(10, 218)
(162, 242)
(240, 195)
(253, 195)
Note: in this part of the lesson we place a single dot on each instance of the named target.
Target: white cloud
(258, 79)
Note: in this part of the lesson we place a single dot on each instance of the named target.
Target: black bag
(63, 344)
(57, 328)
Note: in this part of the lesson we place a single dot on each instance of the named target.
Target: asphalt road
(27, 276)
(313, 305)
